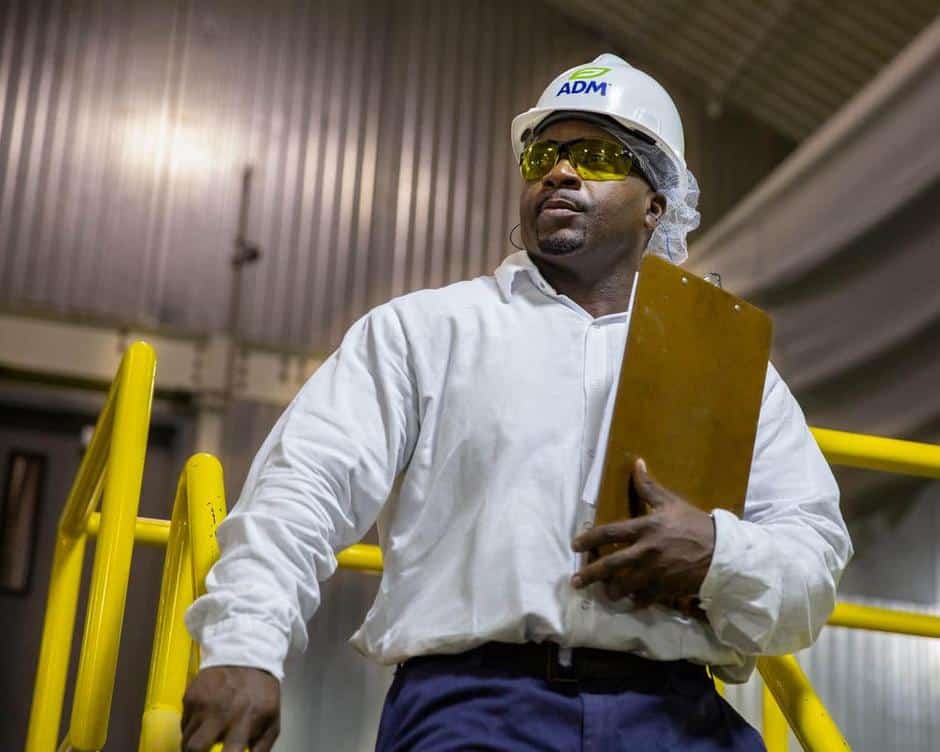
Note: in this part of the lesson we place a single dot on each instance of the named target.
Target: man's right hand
(238, 706)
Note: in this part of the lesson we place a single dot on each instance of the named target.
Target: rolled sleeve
(316, 486)
(772, 581)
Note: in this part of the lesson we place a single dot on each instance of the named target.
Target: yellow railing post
(55, 650)
(192, 549)
(94, 686)
(804, 711)
(111, 471)
(776, 731)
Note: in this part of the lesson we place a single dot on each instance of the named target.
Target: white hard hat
(610, 86)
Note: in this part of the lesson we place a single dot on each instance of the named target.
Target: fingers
(237, 706)
(627, 531)
(236, 740)
(648, 489)
(624, 562)
(266, 742)
(204, 733)
(254, 734)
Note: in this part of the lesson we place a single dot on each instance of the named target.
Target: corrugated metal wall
(378, 130)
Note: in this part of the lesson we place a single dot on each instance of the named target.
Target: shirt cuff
(723, 557)
(246, 642)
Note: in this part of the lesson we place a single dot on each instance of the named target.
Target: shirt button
(585, 605)
(585, 525)
(591, 453)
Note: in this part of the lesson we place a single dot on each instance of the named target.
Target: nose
(562, 175)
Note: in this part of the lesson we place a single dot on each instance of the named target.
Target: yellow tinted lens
(537, 159)
(600, 160)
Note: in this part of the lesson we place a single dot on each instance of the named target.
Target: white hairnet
(681, 215)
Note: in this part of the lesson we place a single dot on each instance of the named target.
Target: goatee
(559, 243)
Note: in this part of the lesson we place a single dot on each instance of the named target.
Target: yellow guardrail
(857, 616)
(111, 473)
(800, 705)
(775, 727)
(787, 691)
(878, 453)
(191, 550)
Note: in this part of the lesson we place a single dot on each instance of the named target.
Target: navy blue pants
(461, 703)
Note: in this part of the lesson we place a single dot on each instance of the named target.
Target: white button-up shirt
(471, 422)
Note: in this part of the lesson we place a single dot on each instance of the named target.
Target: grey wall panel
(378, 132)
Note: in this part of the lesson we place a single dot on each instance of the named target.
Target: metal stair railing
(111, 473)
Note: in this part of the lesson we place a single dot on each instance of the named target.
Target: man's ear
(655, 208)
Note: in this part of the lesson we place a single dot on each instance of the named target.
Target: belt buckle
(555, 672)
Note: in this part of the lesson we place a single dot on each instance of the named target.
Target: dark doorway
(52, 425)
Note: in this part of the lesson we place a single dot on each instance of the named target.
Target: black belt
(541, 660)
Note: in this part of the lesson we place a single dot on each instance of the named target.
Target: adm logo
(578, 82)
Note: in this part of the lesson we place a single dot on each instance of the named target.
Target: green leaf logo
(588, 72)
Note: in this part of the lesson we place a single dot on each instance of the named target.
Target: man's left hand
(666, 553)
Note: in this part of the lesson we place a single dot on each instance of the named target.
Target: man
(485, 405)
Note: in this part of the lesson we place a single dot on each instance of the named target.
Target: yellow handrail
(192, 549)
(879, 453)
(147, 530)
(111, 472)
(786, 688)
(857, 616)
(776, 730)
(804, 711)
(362, 557)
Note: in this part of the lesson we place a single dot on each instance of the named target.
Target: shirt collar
(520, 261)
(507, 271)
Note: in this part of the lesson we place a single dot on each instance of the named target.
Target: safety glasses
(592, 159)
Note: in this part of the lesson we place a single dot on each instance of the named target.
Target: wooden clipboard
(689, 394)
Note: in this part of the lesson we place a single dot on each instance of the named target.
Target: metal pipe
(245, 253)
(879, 453)
(775, 729)
(362, 557)
(94, 687)
(147, 530)
(56, 647)
(857, 616)
(801, 706)
(198, 509)
(118, 445)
